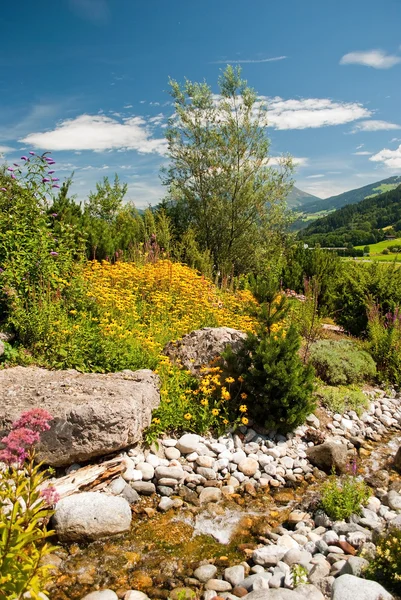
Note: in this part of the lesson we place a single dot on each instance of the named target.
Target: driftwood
(92, 477)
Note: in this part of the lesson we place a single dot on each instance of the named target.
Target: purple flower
(1, 270)
(33, 153)
(16, 165)
(48, 158)
(45, 179)
(54, 215)
(50, 172)
(55, 179)
(50, 495)
(10, 169)
(53, 253)
(24, 158)
(3, 189)
(56, 186)
(13, 176)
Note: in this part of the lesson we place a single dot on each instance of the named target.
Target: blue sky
(88, 80)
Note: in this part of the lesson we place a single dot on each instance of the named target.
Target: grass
(384, 187)
(375, 251)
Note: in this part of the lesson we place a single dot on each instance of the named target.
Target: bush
(341, 399)
(340, 362)
(384, 343)
(278, 384)
(386, 566)
(343, 497)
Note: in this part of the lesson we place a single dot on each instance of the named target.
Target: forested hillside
(358, 224)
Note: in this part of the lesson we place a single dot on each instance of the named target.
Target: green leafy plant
(25, 509)
(384, 343)
(343, 398)
(299, 575)
(340, 362)
(386, 566)
(344, 496)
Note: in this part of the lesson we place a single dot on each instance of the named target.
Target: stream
(161, 550)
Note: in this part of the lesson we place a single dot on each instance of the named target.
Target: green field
(384, 187)
(377, 249)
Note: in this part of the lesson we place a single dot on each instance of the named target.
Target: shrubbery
(386, 566)
(340, 362)
(341, 399)
(384, 343)
(344, 496)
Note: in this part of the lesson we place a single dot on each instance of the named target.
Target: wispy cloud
(312, 113)
(99, 133)
(6, 149)
(317, 176)
(96, 11)
(248, 60)
(378, 59)
(374, 125)
(389, 158)
(298, 161)
(362, 153)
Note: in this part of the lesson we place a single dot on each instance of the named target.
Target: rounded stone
(188, 443)
(172, 453)
(101, 595)
(248, 467)
(205, 572)
(210, 494)
(147, 470)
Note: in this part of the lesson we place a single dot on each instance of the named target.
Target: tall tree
(219, 178)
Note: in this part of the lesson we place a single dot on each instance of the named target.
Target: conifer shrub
(340, 362)
(279, 386)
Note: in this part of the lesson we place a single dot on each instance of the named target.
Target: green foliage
(344, 496)
(362, 285)
(219, 181)
(278, 384)
(299, 575)
(384, 344)
(340, 362)
(386, 566)
(343, 398)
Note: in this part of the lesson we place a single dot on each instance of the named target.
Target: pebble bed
(197, 471)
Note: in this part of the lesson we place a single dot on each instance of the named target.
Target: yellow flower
(230, 380)
(188, 416)
(225, 421)
(156, 421)
(215, 412)
(243, 408)
(225, 394)
(244, 396)
(244, 421)
(241, 379)
(204, 402)
(73, 312)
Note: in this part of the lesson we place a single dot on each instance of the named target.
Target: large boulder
(93, 414)
(200, 347)
(329, 455)
(349, 587)
(2, 348)
(91, 516)
(397, 460)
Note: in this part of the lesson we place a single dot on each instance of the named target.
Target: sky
(88, 81)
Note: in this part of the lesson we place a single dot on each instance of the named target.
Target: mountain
(353, 196)
(366, 222)
(298, 198)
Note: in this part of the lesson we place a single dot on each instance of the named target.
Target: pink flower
(50, 495)
(36, 419)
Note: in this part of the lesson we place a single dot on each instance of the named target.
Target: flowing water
(161, 551)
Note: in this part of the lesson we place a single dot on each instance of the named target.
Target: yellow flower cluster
(161, 301)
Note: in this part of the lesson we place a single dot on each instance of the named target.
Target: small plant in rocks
(299, 575)
(25, 509)
(386, 566)
(344, 496)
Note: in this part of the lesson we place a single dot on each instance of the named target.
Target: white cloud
(362, 153)
(378, 59)
(249, 60)
(390, 158)
(312, 113)
(375, 126)
(318, 176)
(6, 149)
(99, 133)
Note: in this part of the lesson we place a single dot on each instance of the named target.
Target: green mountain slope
(353, 196)
(366, 222)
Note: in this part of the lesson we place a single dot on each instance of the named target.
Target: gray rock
(354, 566)
(248, 466)
(200, 347)
(297, 556)
(117, 486)
(234, 575)
(349, 587)
(135, 595)
(260, 583)
(130, 495)
(188, 443)
(205, 572)
(268, 556)
(170, 473)
(394, 500)
(208, 474)
(90, 516)
(93, 414)
(165, 504)
(101, 595)
(147, 470)
(397, 460)
(280, 594)
(2, 348)
(147, 488)
(329, 455)
(309, 592)
(172, 453)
